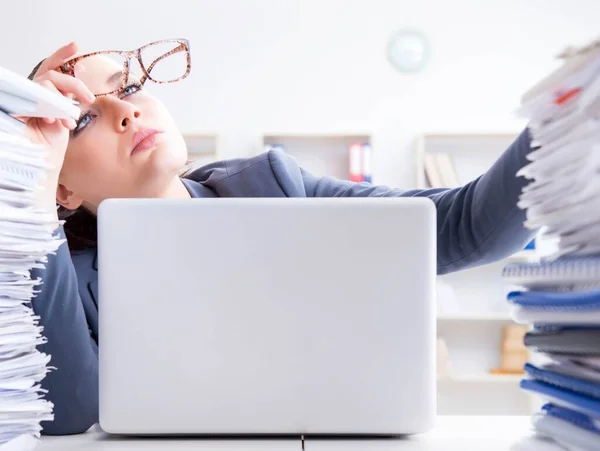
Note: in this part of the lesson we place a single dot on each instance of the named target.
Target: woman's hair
(81, 226)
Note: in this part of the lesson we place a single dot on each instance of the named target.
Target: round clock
(408, 51)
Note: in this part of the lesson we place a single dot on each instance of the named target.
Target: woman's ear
(67, 198)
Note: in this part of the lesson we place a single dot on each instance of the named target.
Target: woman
(125, 144)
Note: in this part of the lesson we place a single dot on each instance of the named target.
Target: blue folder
(577, 418)
(576, 401)
(557, 301)
(574, 384)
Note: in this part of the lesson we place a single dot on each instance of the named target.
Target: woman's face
(102, 160)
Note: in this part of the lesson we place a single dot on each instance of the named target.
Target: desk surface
(464, 433)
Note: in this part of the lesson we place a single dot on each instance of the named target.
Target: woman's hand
(50, 132)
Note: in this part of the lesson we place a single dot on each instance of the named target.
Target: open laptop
(267, 316)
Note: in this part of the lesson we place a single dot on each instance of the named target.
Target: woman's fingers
(63, 54)
(69, 85)
(68, 122)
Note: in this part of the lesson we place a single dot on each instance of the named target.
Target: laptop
(267, 316)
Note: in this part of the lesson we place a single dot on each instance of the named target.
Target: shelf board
(472, 135)
(317, 135)
(475, 316)
(482, 378)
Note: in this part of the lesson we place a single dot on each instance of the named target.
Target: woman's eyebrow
(114, 77)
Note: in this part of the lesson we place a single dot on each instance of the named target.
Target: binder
(367, 162)
(356, 163)
(573, 301)
(591, 363)
(576, 418)
(574, 368)
(580, 341)
(564, 381)
(563, 397)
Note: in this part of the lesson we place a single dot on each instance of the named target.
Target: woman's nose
(122, 112)
(127, 113)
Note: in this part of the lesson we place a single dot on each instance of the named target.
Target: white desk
(460, 433)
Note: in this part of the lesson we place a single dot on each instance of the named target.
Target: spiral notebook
(563, 272)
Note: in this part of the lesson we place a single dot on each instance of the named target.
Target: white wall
(319, 65)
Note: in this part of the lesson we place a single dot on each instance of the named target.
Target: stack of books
(26, 238)
(559, 297)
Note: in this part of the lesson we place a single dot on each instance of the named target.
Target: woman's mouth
(144, 140)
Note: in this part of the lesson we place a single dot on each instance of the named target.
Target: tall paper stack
(26, 237)
(559, 297)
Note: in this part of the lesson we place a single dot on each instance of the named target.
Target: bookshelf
(203, 148)
(472, 307)
(469, 154)
(319, 153)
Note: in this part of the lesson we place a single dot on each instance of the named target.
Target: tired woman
(126, 144)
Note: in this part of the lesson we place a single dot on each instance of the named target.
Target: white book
(48, 103)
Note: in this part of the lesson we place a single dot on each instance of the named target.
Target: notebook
(560, 301)
(542, 317)
(569, 341)
(572, 416)
(591, 363)
(565, 433)
(563, 397)
(557, 273)
(560, 380)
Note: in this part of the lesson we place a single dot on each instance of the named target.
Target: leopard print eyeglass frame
(147, 64)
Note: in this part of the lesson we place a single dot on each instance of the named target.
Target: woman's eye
(82, 123)
(131, 89)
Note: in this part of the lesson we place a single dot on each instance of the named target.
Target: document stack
(559, 297)
(26, 237)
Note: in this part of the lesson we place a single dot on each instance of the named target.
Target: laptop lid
(267, 316)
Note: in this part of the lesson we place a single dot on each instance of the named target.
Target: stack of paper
(564, 115)
(559, 297)
(26, 237)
